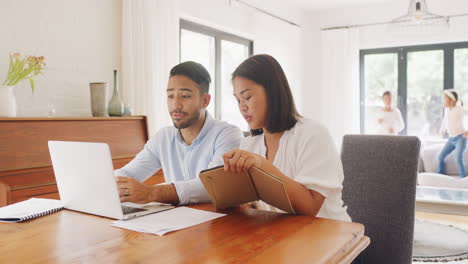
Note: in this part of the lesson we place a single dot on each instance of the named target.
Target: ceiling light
(418, 20)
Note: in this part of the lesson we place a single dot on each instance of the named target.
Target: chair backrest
(379, 189)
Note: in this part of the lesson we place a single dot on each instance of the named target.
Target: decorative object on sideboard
(7, 101)
(116, 107)
(127, 110)
(51, 111)
(20, 68)
(98, 91)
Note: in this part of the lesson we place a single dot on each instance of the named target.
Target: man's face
(185, 101)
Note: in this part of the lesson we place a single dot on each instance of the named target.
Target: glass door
(425, 85)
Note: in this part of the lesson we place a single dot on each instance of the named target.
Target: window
(416, 76)
(220, 53)
(381, 74)
(425, 83)
(461, 72)
(199, 48)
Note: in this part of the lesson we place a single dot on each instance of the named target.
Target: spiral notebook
(29, 209)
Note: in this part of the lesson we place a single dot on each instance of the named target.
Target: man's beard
(192, 120)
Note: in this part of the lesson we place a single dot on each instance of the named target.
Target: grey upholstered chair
(379, 189)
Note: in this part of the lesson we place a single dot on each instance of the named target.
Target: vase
(116, 107)
(98, 92)
(127, 110)
(7, 101)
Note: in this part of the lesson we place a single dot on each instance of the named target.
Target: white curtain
(340, 82)
(150, 30)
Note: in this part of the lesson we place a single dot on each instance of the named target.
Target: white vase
(7, 101)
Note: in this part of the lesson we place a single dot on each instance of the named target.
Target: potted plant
(20, 68)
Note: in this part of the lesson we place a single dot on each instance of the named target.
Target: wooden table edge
(357, 249)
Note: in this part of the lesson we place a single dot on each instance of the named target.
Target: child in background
(453, 125)
(390, 121)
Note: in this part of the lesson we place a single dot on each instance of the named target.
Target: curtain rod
(378, 24)
(264, 12)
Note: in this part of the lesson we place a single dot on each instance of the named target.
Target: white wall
(285, 44)
(370, 37)
(279, 39)
(80, 41)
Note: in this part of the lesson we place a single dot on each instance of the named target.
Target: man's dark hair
(196, 72)
(387, 93)
(266, 71)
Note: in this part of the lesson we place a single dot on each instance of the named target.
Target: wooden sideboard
(25, 166)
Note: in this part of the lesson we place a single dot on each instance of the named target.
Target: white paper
(167, 221)
(33, 206)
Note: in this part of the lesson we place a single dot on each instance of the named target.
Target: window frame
(402, 52)
(218, 35)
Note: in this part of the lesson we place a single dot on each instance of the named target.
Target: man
(195, 142)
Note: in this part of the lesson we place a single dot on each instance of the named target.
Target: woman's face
(387, 99)
(252, 101)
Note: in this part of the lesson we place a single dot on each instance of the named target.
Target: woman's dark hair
(264, 70)
(196, 72)
(387, 93)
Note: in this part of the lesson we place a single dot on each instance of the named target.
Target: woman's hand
(465, 135)
(238, 160)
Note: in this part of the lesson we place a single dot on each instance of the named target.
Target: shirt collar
(203, 132)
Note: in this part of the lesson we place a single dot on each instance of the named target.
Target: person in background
(453, 125)
(297, 150)
(390, 121)
(195, 142)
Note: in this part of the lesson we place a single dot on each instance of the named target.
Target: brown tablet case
(227, 189)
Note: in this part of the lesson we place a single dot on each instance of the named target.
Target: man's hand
(131, 190)
(380, 120)
(390, 130)
(465, 135)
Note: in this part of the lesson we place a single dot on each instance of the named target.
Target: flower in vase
(24, 68)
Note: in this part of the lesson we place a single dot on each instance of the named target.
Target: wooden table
(244, 236)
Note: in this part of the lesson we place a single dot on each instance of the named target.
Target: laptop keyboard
(131, 210)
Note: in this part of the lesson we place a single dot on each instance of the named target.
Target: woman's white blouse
(307, 154)
(392, 119)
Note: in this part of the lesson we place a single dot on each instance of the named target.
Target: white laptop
(86, 182)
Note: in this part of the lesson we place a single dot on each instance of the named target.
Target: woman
(295, 149)
(390, 121)
(453, 125)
